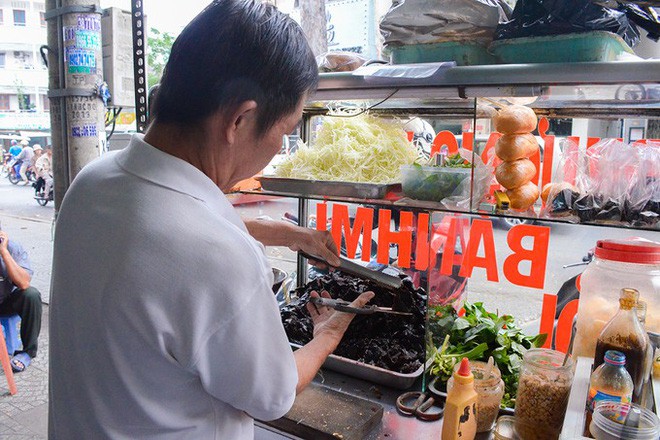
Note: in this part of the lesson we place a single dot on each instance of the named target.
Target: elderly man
(163, 321)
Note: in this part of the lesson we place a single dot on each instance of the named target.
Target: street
(32, 226)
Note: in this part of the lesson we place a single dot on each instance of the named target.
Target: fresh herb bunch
(456, 161)
(478, 335)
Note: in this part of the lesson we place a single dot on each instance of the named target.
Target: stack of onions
(514, 148)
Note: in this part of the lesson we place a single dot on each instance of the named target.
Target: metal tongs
(347, 266)
(344, 306)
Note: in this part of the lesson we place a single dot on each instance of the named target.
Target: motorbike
(40, 192)
(6, 164)
(15, 173)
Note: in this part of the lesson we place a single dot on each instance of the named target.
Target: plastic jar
(617, 264)
(608, 422)
(490, 390)
(543, 390)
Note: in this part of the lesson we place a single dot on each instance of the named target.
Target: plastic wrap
(610, 182)
(480, 184)
(642, 204)
(339, 61)
(534, 18)
(429, 21)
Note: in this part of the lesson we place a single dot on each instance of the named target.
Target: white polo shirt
(163, 324)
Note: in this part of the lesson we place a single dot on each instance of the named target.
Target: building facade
(23, 74)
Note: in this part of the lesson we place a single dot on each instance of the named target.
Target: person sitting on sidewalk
(18, 297)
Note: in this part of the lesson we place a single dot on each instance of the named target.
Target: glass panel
(19, 17)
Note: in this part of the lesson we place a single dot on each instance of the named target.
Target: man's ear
(240, 119)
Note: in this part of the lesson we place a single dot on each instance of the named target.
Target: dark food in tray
(393, 342)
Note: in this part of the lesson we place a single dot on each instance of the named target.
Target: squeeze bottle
(460, 419)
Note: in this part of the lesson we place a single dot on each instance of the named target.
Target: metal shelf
(501, 80)
(423, 206)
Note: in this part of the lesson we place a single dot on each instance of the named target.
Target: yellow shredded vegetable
(362, 149)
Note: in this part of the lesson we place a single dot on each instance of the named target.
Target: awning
(33, 134)
(14, 137)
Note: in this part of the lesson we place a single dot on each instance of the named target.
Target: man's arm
(17, 274)
(280, 233)
(329, 329)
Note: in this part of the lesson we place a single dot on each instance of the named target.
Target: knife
(344, 306)
(347, 266)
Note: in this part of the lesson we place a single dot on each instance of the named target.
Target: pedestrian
(17, 297)
(163, 321)
(25, 156)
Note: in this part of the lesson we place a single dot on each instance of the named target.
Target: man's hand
(329, 327)
(315, 242)
(4, 241)
(332, 323)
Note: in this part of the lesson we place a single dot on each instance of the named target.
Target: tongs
(344, 306)
(347, 266)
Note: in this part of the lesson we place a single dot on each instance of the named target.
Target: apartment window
(45, 103)
(42, 19)
(2, 17)
(3, 60)
(19, 17)
(4, 102)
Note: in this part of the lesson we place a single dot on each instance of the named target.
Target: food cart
(515, 271)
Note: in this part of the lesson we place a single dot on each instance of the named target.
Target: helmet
(423, 134)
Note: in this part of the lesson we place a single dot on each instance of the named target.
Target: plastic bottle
(460, 419)
(624, 333)
(617, 264)
(648, 357)
(609, 382)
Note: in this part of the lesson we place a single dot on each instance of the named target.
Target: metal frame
(139, 65)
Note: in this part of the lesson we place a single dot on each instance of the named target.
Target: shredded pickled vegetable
(362, 149)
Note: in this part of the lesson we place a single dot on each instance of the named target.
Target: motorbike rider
(15, 149)
(43, 168)
(25, 156)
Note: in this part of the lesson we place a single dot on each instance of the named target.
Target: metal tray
(326, 188)
(368, 372)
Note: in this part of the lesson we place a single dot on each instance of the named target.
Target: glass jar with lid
(543, 390)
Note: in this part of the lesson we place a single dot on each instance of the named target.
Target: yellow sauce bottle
(460, 419)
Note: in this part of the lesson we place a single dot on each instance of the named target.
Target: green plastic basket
(463, 53)
(589, 46)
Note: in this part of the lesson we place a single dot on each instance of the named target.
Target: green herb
(456, 161)
(478, 335)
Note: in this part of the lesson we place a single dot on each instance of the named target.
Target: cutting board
(320, 413)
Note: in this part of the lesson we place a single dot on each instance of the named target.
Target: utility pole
(75, 79)
(314, 24)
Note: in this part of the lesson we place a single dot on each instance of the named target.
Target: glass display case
(466, 247)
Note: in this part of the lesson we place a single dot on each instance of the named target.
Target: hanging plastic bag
(430, 21)
(610, 165)
(642, 204)
(534, 18)
(477, 187)
(569, 183)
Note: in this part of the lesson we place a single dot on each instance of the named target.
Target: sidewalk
(25, 415)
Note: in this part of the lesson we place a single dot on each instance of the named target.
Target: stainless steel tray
(368, 372)
(327, 188)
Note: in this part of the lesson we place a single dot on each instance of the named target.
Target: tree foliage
(159, 45)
